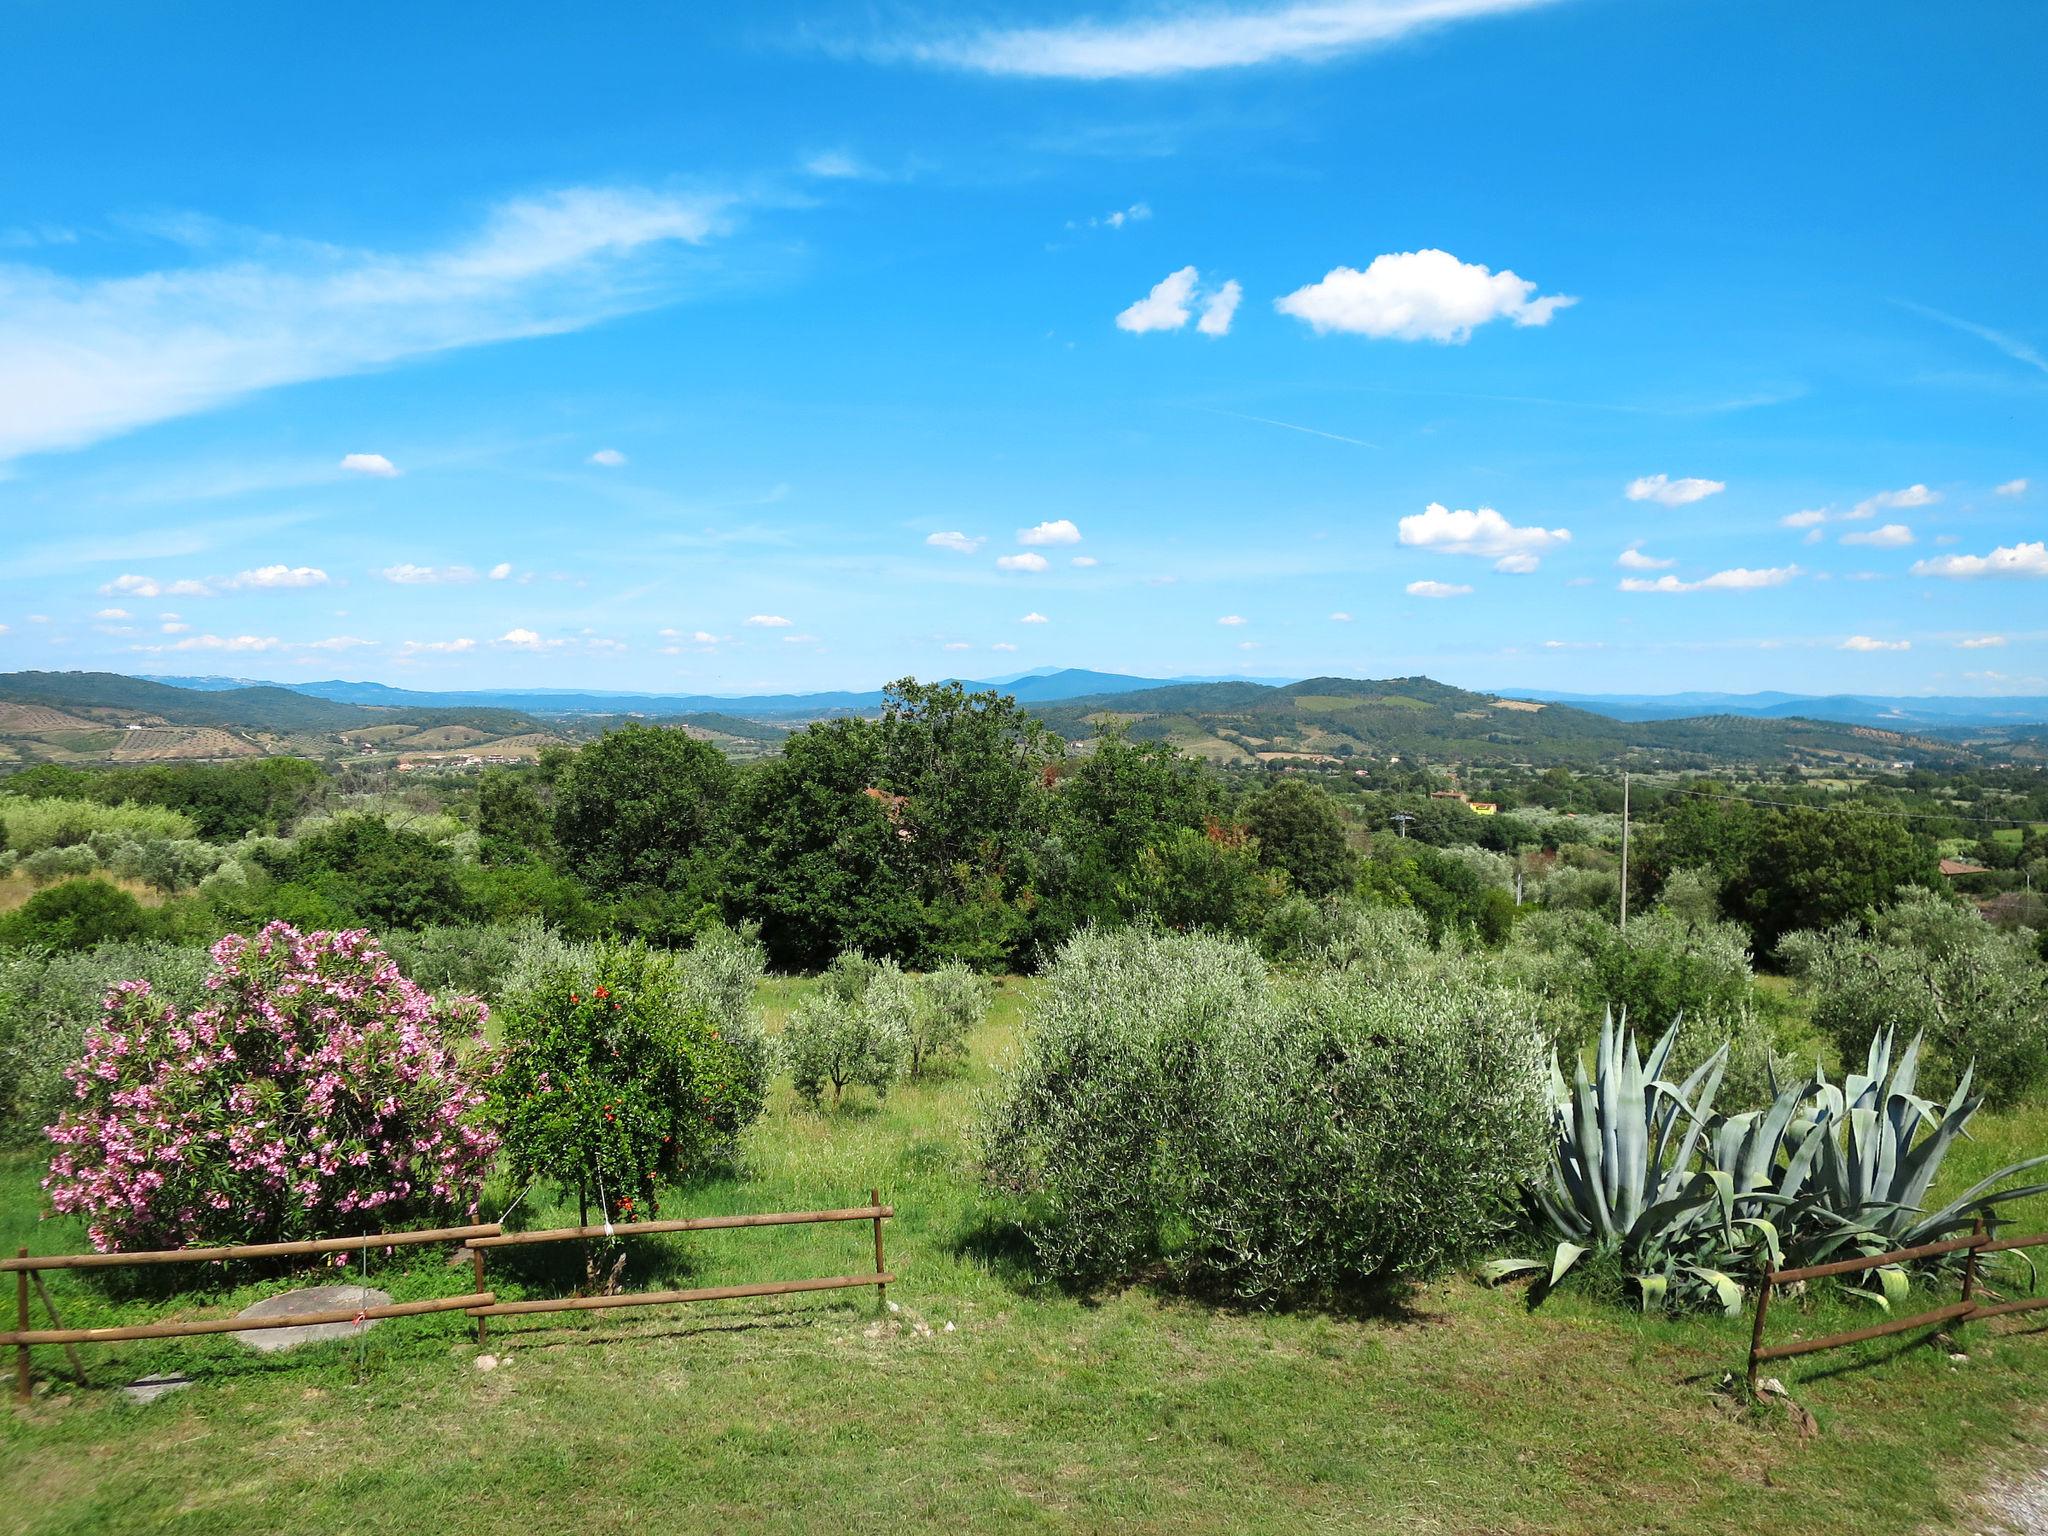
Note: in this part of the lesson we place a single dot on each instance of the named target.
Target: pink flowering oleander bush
(317, 1093)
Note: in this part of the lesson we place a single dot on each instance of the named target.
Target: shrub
(65, 862)
(32, 825)
(470, 960)
(1177, 1110)
(830, 1039)
(1928, 966)
(950, 1004)
(47, 1002)
(616, 1078)
(317, 1091)
(75, 915)
(1658, 969)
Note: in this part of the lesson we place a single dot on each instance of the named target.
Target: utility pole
(1624, 852)
(1401, 820)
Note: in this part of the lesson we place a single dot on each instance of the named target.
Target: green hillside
(1421, 720)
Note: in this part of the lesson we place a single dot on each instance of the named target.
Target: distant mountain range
(1049, 685)
(1042, 686)
(1893, 714)
(104, 716)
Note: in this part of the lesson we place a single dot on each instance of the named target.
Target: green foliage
(839, 1037)
(948, 1006)
(1300, 833)
(1450, 894)
(512, 825)
(1659, 967)
(1194, 879)
(33, 825)
(1929, 965)
(1178, 1110)
(48, 999)
(617, 1076)
(644, 806)
(1805, 869)
(365, 873)
(76, 915)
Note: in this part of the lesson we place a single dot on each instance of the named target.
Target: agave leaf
(1561, 1262)
(1725, 1290)
(1877, 1298)
(1494, 1271)
(1897, 1285)
(1768, 1233)
(1654, 1290)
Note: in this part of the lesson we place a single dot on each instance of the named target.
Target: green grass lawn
(1460, 1411)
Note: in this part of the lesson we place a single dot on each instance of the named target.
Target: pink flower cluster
(320, 1093)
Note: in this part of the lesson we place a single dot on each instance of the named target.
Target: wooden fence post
(1756, 1332)
(21, 1378)
(881, 1291)
(1970, 1263)
(477, 1254)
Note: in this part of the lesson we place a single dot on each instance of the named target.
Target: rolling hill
(1420, 720)
(83, 717)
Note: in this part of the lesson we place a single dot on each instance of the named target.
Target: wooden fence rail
(480, 1303)
(1967, 1310)
(874, 1211)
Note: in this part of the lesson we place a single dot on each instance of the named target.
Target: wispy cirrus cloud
(1185, 40)
(87, 358)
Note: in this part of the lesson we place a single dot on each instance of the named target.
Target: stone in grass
(147, 1389)
(310, 1302)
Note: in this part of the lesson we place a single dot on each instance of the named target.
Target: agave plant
(1868, 1188)
(1628, 1177)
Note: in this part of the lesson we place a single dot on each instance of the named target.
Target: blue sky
(1573, 344)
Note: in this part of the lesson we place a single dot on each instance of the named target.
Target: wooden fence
(480, 1303)
(1969, 1309)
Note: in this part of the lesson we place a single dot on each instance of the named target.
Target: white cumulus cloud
(1890, 536)
(1024, 562)
(2010, 488)
(1058, 531)
(1484, 533)
(768, 621)
(1426, 295)
(1165, 308)
(954, 540)
(1219, 309)
(1673, 493)
(436, 647)
(1866, 643)
(280, 576)
(1437, 589)
(2015, 560)
(369, 464)
(1083, 561)
(149, 586)
(1034, 618)
(1890, 501)
(1633, 559)
(1980, 643)
(1233, 619)
(608, 458)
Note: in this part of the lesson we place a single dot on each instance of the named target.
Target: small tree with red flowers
(617, 1079)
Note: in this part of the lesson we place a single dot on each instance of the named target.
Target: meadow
(987, 1399)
